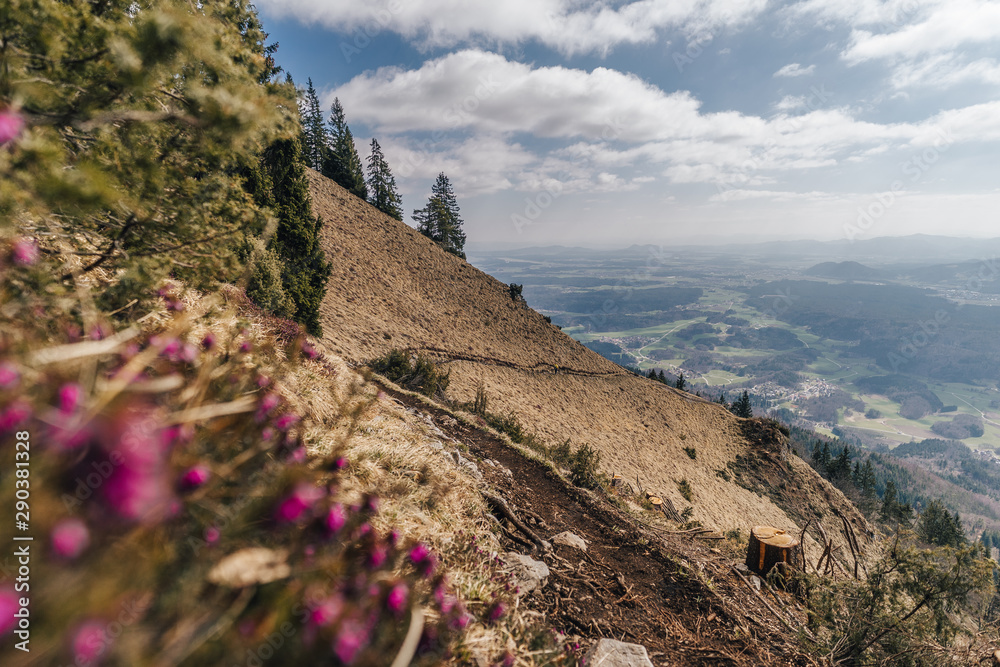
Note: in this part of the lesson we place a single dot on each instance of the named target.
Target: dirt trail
(634, 583)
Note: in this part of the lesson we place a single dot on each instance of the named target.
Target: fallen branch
(500, 505)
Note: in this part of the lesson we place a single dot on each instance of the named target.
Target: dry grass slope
(393, 288)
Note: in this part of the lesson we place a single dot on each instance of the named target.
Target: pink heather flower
(69, 398)
(309, 350)
(396, 600)
(377, 556)
(246, 346)
(371, 504)
(336, 518)
(69, 538)
(171, 348)
(419, 554)
(211, 534)
(175, 304)
(208, 342)
(100, 332)
(25, 252)
(496, 612)
(350, 640)
(89, 643)
(11, 126)
(196, 476)
(326, 612)
(9, 376)
(267, 433)
(16, 414)
(461, 618)
(445, 600)
(298, 502)
(393, 538)
(340, 463)
(286, 421)
(266, 405)
(8, 607)
(188, 353)
(263, 381)
(139, 486)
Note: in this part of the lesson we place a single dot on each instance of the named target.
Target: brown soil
(634, 583)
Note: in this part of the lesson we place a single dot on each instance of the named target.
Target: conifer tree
(296, 239)
(742, 407)
(441, 220)
(681, 382)
(382, 193)
(341, 162)
(314, 136)
(889, 502)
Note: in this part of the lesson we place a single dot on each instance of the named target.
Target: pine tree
(663, 377)
(742, 407)
(342, 163)
(681, 382)
(441, 220)
(314, 136)
(304, 269)
(889, 502)
(382, 193)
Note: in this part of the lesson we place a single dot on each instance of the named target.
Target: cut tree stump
(768, 547)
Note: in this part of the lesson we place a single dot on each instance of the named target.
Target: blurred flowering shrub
(175, 517)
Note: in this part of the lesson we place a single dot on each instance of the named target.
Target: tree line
(328, 147)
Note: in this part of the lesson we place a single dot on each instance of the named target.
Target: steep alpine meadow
(393, 288)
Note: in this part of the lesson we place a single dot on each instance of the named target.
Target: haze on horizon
(649, 121)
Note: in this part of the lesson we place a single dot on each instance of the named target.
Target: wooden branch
(500, 505)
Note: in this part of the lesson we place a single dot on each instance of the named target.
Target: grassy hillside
(392, 288)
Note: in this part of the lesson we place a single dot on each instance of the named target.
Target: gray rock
(469, 467)
(525, 572)
(613, 653)
(571, 540)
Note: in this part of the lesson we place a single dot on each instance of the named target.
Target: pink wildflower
(16, 414)
(208, 342)
(327, 612)
(377, 556)
(138, 488)
(396, 600)
(496, 612)
(246, 346)
(9, 376)
(89, 643)
(69, 398)
(266, 405)
(196, 476)
(350, 640)
(11, 126)
(336, 518)
(70, 538)
(8, 607)
(298, 502)
(286, 421)
(25, 252)
(211, 534)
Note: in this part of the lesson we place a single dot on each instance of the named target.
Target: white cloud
(945, 71)
(795, 69)
(944, 28)
(571, 26)
(480, 112)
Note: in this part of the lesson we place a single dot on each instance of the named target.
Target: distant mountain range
(913, 249)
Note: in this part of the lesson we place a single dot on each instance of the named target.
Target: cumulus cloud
(570, 26)
(795, 69)
(479, 117)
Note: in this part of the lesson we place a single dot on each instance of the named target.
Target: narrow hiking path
(634, 583)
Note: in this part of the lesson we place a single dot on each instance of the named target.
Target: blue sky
(595, 123)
